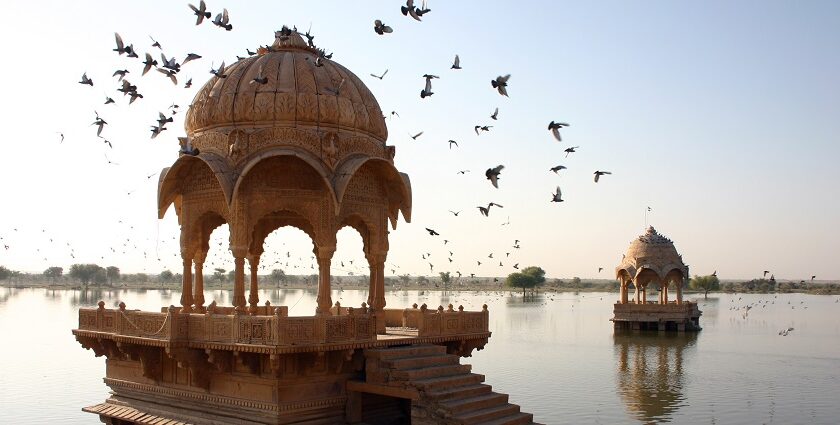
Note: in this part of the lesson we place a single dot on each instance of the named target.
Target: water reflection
(649, 376)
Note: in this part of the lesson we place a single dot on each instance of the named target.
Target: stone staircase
(449, 393)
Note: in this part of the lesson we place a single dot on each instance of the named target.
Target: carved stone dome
(304, 90)
(652, 251)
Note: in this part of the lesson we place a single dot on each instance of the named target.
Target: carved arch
(397, 184)
(171, 177)
(314, 162)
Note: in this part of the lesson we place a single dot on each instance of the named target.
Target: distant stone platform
(680, 317)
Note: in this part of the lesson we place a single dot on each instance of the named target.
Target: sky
(720, 116)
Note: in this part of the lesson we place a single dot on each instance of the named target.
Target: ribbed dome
(651, 250)
(299, 93)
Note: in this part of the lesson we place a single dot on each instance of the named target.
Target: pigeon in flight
(200, 12)
(427, 90)
(570, 150)
(492, 174)
(122, 48)
(500, 84)
(555, 127)
(414, 137)
(121, 73)
(190, 57)
(379, 76)
(223, 20)
(557, 196)
(380, 28)
(149, 63)
(486, 211)
(482, 128)
(86, 80)
(457, 63)
(495, 115)
(557, 168)
(432, 232)
(155, 43)
(220, 72)
(598, 174)
(101, 123)
(452, 142)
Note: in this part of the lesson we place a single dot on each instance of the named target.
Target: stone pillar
(186, 284)
(637, 295)
(376, 294)
(253, 293)
(623, 291)
(644, 294)
(198, 297)
(665, 293)
(679, 292)
(324, 256)
(239, 282)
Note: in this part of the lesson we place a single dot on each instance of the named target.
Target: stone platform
(680, 317)
(227, 368)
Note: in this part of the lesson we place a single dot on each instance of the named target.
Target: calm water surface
(557, 357)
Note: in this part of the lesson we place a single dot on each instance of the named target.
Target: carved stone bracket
(221, 359)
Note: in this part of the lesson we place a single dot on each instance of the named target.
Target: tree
(5, 273)
(219, 274)
(85, 272)
(53, 273)
(422, 280)
(405, 279)
(165, 276)
(112, 273)
(529, 277)
(705, 284)
(445, 278)
(278, 276)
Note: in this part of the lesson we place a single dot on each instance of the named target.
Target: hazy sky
(721, 116)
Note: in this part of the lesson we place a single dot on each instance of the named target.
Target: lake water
(557, 357)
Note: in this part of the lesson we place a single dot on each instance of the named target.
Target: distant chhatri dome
(653, 251)
(303, 90)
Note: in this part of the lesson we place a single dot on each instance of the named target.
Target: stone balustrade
(439, 322)
(278, 329)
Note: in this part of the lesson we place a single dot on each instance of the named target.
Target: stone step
(437, 384)
(422, 361)
(405, 351)
(430, 372)
(479, 402)
(484, 415)
(454, 393)
(520, 418)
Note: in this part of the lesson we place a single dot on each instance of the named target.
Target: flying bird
(492, 174)
(379, 76)
(455, 213)
(410, 10)
(169, 73)
(220, 72)
(149, 63)
(557, 196)
(432, 232)
(555, 127)
(380, 28)
(121, 73)
(122, 48)
(485, 211)
(456, 64)
(200, 12)
(557, 168)
(155, 43)
(765, 273)
(414, 137)
(108, 100)
(598, 174)
(495, 114)
(600, 269)
(223, 20)
(188, 84)
(101, 123)
(500, 84)
(482, 128)
(190, 57)
(86, 80)
(570, 150)
(427, 90)
(452, 142)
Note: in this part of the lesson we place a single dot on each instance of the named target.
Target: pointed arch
(169, 190)
(311, 160)
(397, 184)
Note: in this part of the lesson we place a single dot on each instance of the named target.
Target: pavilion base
(672, 317)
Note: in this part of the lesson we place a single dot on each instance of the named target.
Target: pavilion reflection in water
(649, 373)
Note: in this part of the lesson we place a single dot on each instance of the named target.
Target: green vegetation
(278, 276)
(528, 278)
(86, 273)
(54, 273)
(705, 284)
(445, 278)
